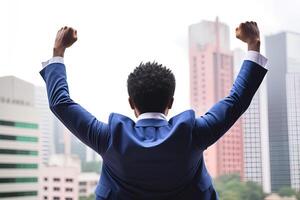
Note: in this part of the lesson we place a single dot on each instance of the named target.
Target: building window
(45, 197)
(18, 152)
(56, 179)
(19, 124)
(45, 188)
(56, 189)
(18, 166)
(56, 198)
(18, 138)
(45, 179)
(19, 180)
(68, 198)
(69, 189)
(82, 190)
(82, 183)
(17, 194)
(69, 180)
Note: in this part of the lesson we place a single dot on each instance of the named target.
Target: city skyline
(35, 101)
(104, 55)
(113, 40)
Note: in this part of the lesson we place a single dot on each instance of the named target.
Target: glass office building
(283, 49)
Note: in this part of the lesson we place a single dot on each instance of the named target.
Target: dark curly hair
(151, 86)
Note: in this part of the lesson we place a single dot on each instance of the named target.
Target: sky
(115, 36)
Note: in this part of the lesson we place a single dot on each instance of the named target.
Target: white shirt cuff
(56, 59)
(256, 57)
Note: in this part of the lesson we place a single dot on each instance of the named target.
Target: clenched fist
(248, 32)
(65, 37)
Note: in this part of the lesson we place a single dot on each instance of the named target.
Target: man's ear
(131, 103)
(170, 103)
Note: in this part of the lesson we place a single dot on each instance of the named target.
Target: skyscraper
(211, 78)
(283, 80)
(19, 140)
(256, 135)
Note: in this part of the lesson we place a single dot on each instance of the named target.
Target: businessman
(152, 158)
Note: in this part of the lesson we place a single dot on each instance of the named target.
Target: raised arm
(79, 121)
(214, 124)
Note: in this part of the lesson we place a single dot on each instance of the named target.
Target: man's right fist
(248, 32)
(65, 37)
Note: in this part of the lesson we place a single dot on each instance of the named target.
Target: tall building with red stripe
(211, 78)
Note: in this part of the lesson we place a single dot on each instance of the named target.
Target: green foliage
(298, 195)
(286, 191)
(94, 166)
(230, 187)
(92, 197)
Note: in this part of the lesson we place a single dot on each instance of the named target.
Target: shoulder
(187, 116)
(119, 118)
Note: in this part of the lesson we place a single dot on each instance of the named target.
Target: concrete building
(283, 80)
(256, 135)
(19, 140)
(46, 121)
(211, 78)
(87, 183)
(59, 180)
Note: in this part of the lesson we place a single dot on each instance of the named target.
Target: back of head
(151, 87)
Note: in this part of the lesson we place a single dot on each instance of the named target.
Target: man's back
(154, 158)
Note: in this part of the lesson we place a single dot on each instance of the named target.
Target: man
(154, 158)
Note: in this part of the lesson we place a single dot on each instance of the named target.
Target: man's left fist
(65, 37)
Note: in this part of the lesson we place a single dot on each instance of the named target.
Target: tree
(253, 191)
(287, 191)
(298, 195)
(91, 197)
(230, 187)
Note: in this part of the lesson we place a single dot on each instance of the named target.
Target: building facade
(87, 183)
(283, 80)
(19, 140)
(59, 180)
(211, 78)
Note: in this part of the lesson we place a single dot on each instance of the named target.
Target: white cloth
(256, 57)
(152, 115)
(56, 59)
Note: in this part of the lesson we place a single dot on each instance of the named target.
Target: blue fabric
(153, 158)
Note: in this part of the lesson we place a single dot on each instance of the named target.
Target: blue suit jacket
(153, 159)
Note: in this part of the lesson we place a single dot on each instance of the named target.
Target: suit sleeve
(80, 122)
(214, 124)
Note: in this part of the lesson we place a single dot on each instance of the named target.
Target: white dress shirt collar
(152, 115)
